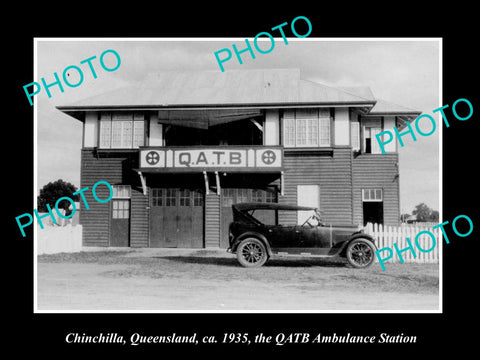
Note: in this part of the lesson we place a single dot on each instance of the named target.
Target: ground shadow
(200, 260)
(300, 262)
(270, 263)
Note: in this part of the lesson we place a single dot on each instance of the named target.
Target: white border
(35, 179)
(35, 144)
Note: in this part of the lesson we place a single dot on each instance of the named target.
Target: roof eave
(80, 109)
(395, 113)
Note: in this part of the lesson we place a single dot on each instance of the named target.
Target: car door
(281, 236)
(316, 237)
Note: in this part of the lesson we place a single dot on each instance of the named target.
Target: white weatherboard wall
(342, 126)
(271, 128)
(156, 132)
(90, 130)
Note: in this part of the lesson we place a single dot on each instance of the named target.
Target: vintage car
(255, 235)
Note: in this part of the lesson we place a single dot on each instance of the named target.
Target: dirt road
(205, 280)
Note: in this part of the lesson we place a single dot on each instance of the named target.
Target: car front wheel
(361, 253)
(251, 253)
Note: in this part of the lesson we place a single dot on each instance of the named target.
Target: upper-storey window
(306, 128)
(122, 130)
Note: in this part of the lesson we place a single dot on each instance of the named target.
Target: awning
(143, 180)
(203, 119)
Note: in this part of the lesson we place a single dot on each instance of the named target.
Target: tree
(434, 216)
(53, 191)
(424, 213)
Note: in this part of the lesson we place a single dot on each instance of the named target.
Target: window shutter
(105, 130)
(116, 134)
(288, 128)
(138, 133)
(324, 131)
(127, 134)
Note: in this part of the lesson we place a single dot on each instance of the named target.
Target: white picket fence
(386, 236)
(57, 239)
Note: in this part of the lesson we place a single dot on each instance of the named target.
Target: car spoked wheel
(361, 253)
(251, 253)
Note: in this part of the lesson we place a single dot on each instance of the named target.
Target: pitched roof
(214, 88)
(363, 91)
(383, 107)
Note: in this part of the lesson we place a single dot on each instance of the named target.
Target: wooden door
(189, 219)
(120, 222)
(176, 218)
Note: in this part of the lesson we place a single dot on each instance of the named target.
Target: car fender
(254, 234)
(356, 235)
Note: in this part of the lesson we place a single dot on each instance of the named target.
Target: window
(355, 135)
(121, 201)
(242, 195)
(157, 197)
(121, 130)
(121, 209)
(324, 123)
(170, 197)
(236, 196)
(301, 132)
(138, 133)
(306, 128)
(228, 197)
(184, 197)
(270, 197)
(121, 191)
(257, 195)
(372, 195)
(289, 130)
(197, 198)
(105, 130)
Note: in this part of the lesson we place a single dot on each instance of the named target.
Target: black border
(45, 333)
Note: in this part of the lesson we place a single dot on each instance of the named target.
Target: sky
(405, 72)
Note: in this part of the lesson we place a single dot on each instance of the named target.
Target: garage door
(176, 218)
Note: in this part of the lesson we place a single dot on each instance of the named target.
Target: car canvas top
(269, 206)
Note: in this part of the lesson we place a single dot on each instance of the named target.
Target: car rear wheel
(251, 253)
(361, 253)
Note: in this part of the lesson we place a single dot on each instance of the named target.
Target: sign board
(212, 158)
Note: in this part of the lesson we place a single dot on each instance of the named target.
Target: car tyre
(251, 252)
(361, 253)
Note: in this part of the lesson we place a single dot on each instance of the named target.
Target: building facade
(180, 148)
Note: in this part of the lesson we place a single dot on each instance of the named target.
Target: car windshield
(309, 218)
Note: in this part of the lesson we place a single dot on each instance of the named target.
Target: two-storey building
(179, 148)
